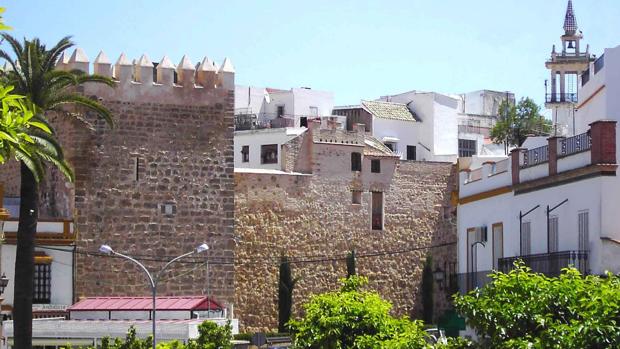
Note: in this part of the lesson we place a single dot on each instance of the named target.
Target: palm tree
(33, 76)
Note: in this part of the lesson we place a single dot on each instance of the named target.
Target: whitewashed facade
(574, 178)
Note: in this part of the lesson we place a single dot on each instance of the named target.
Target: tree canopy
(516, 122)
(522, 309)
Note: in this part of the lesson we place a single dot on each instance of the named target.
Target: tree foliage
(516, 122)
(351, 265)
(427, 290)
(522, 309)
(356, 318)
(210, 336)
(285, 294)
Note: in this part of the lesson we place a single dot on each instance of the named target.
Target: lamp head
(202, 248)
(106, 249)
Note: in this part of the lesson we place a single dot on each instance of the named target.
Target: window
(356, 197)
(42, 283)
(303, 121)
(390, 145)
(138, 168)
(411, 152)
(356, 161)
(269, 154)
(584, 231)
(377, 210)
(245, 153)
(280, 111)
(526, 234)
(375, 166)
(553, 234)
(498, 244)
(467, 148)
(314, 111)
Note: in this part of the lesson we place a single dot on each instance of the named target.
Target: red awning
(188, 303)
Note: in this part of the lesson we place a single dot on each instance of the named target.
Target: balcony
(550, 264)
(561, 98)
(246, 120)
(49, 232)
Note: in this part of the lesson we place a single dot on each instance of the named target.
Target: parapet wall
(164, 82)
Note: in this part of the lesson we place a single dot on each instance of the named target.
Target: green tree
(285, 294)
(354, 318)
(351, 267)
(33, 76)
(516, 122)
(522, 309)
(427, 290)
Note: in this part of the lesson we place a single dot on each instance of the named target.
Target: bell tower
(566, 68)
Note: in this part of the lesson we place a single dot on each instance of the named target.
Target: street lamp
(153, 280)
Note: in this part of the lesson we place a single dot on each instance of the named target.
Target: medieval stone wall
(311, 219)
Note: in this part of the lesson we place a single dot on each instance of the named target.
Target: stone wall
(157, 186)
(311, 219)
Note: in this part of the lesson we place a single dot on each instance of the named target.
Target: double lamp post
(153, 279)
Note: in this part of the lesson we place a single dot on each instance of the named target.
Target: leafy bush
(210, 336)
(355, 318)
(522, 309)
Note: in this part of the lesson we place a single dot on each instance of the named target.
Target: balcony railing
(575, 144)
(249, 121)
(561, 97)
(535, 156)
(550, 264)
(469, 281)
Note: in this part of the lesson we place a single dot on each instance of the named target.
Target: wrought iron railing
(535, 156)
(550, 264)
(575, 144)
(561, 97)
(466, 282)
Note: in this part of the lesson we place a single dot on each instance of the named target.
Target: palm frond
(54, 53)
(76, 99)
(32, 162)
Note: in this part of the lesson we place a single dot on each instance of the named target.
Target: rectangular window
(377, 210)
(303, 121)
(584, 231)
(314, 111)
(375, 166)
(553, 234)
(526, 234)
(245, 153)
(356, 161)
(138, 168)
(42, 283)
(411, 152)
(280, 111)
(356, 197)
(269, 154)
(467, 148)
(498, 244)
(392, 146)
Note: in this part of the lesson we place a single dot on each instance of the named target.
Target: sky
(356, 49)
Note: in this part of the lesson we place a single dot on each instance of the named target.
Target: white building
(431, 126)
(266, 118)
(553, 205)
(54, 272)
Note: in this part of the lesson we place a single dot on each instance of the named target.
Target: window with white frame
(526, 238)
(553, 234)
(584, 230)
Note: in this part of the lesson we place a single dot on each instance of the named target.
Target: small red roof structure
(189, 303)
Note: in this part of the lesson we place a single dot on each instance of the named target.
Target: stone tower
(566, 68)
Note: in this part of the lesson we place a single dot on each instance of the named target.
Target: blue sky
(357, 49)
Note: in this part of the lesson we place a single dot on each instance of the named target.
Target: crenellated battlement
(163, 81)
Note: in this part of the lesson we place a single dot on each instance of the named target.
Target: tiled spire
(570, 22)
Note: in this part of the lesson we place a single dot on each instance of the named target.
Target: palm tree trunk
(24, 260)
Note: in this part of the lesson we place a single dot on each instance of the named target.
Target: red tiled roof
(145, 303)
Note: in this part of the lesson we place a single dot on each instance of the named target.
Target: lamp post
(153, 279)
